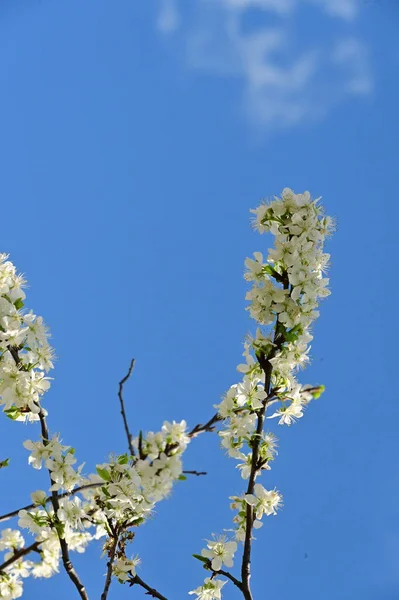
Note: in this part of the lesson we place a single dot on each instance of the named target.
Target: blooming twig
(35, 547)
(81, 488)
(111, 554)
(66, 561)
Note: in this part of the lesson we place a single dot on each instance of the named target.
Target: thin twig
(123, 412)
(20, 554)
(197, 473)
(81, 488)
(110, 564)
(54, 496)
(237, 582)
(149, 590)
(66, 561)
(209, 426)
(267, 367)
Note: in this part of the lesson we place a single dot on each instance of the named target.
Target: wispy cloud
(168, 20)
(282, 84)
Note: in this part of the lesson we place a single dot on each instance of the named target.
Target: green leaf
(317, 393)
(182, 478)
(13, 413)
(4, 463)
(201, 558)
(123, 459)
(18, 304)
(105, 492)
(103, 474)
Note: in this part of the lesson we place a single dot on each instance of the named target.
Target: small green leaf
(18, 304)
(4, 463)
(123, 459)
(201, 558)
(103, 474)
(13, 413)
(182, 478)
(317, 393)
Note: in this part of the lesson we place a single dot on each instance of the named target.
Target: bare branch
(136, 580)
(209, 426)
(123, 412)
(197, 473)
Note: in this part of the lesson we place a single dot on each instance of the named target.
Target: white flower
(210, 590)
(71, 512)
(39, 497)
(123, 568)
(11, 539)
(10, 588)
(220, 552)
(264, 501)
(251, 394)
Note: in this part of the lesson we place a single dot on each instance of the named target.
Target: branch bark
(66, 561)
(81, 488)
(110, 563)
(20, 554)
(69, 568)
(136, 580)
(267, 369)
(122, 403)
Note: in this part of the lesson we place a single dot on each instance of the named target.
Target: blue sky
(135, 137)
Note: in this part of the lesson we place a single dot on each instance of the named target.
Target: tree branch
(20, 554)
(149, 590)
(237, 582)
(197, 473)
(66, 561)
(267, 367)
(111, 554)
(123, 412)
(54, 496)
(209, 426)
(81, 488)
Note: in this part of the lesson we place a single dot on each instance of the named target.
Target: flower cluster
(121, 495)
(76, 509)
(25, 355)
(283, 299)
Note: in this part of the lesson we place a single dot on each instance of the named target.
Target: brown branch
(197, 473)
(54, 496)
(108, 580)
(209, 426)
(20, 554)
(66, 561)
(246, 557)
(237, 582)
(267, 367)
(136, 580)
(123, 412)
(81, 488)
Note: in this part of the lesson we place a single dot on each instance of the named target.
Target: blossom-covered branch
(286, 288)
(111, 503)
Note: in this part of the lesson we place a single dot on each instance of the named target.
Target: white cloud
(282, 84)
(168, 20)
(352, 56)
